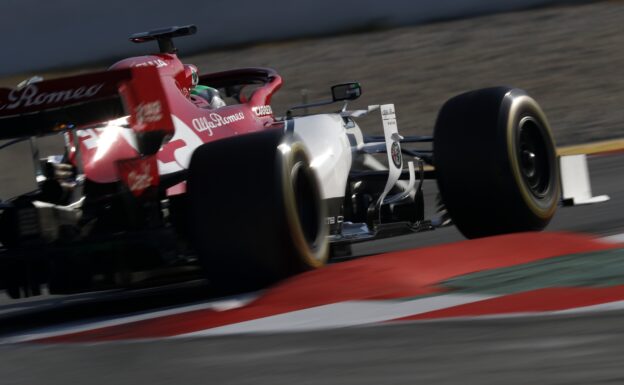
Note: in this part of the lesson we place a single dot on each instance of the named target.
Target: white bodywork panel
(391, 133)
(362, 158)
(183, 154)
(395, 158)
(330, 151)
(575, 183)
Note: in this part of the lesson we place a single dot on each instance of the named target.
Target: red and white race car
(159, 172)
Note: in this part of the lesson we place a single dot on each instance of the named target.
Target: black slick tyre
(496, 164)
(255, 209)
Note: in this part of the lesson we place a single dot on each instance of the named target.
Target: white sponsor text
(215, 120)
(158, 63)
(30, 96)
(262, 110)
(138, 181)
(148, 112)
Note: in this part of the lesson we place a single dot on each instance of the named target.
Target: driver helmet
(209, 94)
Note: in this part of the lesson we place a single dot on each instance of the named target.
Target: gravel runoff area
(570, 58)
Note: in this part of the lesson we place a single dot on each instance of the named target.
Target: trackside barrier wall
(39, 35)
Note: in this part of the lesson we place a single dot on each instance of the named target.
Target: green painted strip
(595, 269)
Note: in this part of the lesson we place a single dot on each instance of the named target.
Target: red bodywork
(155, 97)
(192, 124)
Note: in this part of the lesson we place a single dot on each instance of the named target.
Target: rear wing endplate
(53, 106)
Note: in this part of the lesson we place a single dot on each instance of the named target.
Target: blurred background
(416, 54)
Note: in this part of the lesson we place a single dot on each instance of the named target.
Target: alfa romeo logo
(395, 153)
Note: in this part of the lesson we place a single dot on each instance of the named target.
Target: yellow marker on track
(592, 148)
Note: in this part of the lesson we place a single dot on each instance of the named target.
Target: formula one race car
(160, 173)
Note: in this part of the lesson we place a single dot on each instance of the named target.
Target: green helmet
(211, 95)
(200, 90)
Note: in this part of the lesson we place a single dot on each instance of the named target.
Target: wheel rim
(306, 202)
(533, 157)
(305, 209)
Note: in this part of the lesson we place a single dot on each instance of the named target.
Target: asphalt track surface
(572, 349)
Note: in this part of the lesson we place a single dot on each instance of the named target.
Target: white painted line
(342, 314)
(603, 307)
(337, 315)
(217, 305)
(359, 313)
(617, 238)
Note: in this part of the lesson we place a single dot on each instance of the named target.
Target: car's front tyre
(496, 164)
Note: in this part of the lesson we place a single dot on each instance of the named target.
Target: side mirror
(346, 91)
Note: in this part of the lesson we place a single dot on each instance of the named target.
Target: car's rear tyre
(496, 164)
(256, 213)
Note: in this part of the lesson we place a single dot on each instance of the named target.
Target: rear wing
(53, 106)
